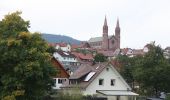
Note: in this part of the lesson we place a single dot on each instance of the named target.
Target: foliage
(72, 94)
(25, 68)
(84, 51)
(12, 24)
(99, 57)
(152, 72)
(126, 68)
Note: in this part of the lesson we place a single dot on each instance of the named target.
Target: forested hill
(51, 38)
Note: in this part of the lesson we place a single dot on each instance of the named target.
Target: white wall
(57, 85)
(67, 48)
(64, 59)
(107, 76)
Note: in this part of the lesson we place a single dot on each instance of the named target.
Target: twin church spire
(106, 43)
(105, 26)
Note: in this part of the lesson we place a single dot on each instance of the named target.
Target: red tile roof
(62, 44)
(83, 56)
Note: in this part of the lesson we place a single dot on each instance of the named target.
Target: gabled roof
(83, 56)
(97, 39)
(59, 66)
(65, 54)
(85, 69)
(62, 44)
(107, 53)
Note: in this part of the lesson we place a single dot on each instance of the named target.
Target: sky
(141, 21)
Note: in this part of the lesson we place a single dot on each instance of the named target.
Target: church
(106, 42)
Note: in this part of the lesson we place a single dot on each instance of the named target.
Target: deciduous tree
(153, 71)
(25, 68)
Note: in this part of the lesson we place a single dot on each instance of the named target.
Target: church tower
(117, 34)
(105, 42)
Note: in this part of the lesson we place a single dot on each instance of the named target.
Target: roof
(62, 44)
(85, 69)
(59, 66)
(75, 46)
(115, 93)
(52, 44)
(138, 52)
(107, 53)
(167, 48)
(83, 56)
(97, 39)
(65, 54)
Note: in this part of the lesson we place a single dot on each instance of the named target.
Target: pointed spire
(117, 25)
(105, 21)
(105, 27)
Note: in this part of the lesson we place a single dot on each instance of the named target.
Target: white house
(63, 46)
(100, 79)
(66, 58)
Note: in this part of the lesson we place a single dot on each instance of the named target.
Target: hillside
(51, 38)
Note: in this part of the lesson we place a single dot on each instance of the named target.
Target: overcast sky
(141, 21)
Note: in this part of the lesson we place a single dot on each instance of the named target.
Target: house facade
(61, 76)
(101, 80)
(63, 46)
(66, 58)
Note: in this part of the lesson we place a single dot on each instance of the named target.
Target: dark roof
(59, 66)
(65, 54)
(83, 56)
(83, 70)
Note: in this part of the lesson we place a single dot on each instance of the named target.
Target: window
(107, 69)
(101, 81)
(54, 81)
(112, 82)
(118, 98)
(60, 81)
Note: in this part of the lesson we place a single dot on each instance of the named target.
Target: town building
(106, 42)
(61, 75)
(100, 79)
(66, 58)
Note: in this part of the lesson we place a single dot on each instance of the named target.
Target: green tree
(152, 72)
(126, 68)
(25, 68)
(99, 57)
(12, 24)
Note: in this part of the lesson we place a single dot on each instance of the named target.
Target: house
(63, 46)
(133, 52)
(83, 57)
(100, 79)
(61, 76)
(167, 52)
(66, 58)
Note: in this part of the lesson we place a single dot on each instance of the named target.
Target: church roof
(97, 39)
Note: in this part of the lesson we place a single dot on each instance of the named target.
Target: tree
(100, 57)
(25, 68)
(126, 65)
(12, 24)
(152, 72)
